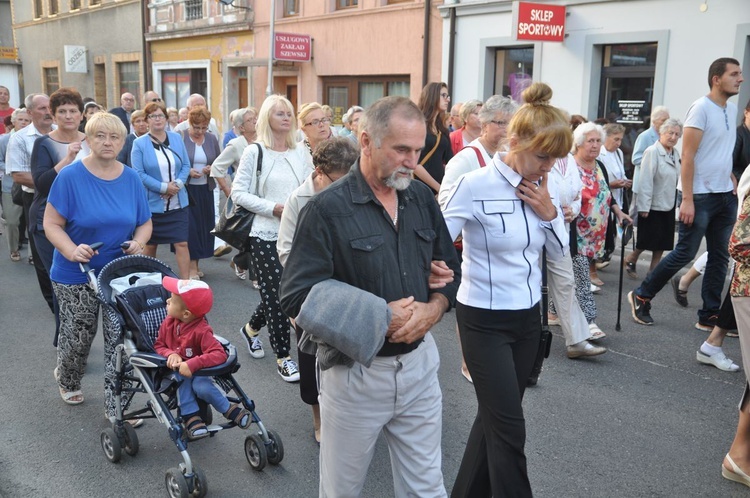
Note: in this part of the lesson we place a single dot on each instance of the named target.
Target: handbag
(235, 222)
(16, 194)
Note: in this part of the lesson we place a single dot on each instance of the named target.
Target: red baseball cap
(196, 294)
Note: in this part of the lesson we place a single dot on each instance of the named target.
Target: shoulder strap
(482, 164)
(429, 154)
(258, 167)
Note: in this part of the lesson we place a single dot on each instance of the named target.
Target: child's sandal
(238, 415)
(196, 428)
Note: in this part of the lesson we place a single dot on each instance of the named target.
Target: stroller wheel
(275, 450)
(176, 483)
(111, 445)
(200, 484)
(131, 440)
(255, 452)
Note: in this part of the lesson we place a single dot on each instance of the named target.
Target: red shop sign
(539, 22)
(291, 47)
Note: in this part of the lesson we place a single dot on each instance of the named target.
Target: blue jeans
(715, 215)
(200, 387)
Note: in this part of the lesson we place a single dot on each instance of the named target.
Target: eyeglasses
(499, 123)
(317, 122)
(156, 116)
(157, 99)
(445, 96)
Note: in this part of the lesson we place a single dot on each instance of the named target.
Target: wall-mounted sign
(75, 59)
(539, 22)
(631, 111)
(292, 47)
(8, 53)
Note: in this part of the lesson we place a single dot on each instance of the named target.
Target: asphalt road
(643, 420)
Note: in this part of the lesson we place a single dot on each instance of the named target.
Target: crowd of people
(404, 212)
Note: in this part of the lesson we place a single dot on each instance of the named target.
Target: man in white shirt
(709, 206)
(196, 100)
(18, 161)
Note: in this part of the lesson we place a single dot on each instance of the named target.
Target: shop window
(291, 8)
(345, 4)
(129, 79)
(627, 89)
(54, 7)
(514, 71)
(51, 79)
(178, 85)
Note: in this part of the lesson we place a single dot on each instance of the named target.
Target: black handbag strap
(258, 167)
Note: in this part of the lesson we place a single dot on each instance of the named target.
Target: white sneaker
(288, 370)
(719, 360)
(595, 289)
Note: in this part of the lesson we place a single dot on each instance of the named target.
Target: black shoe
(679, 295)
(640, 308)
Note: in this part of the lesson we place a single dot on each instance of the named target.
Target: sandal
(630, 270)
(196, 428)
(238, 415)
(15, 256)
(69, 397)
(596, 332)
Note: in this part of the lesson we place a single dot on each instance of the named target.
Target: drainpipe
(147, 77)
(426, 45)
(451, 47)
(272, 28)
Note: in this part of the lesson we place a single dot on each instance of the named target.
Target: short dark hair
(335, 155)
(152, 107)
(718, 68)
(65, 96)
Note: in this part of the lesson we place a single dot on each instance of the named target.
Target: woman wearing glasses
(161, 161)
(434, 103)
(315, 124)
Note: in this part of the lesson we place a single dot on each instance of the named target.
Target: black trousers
(500, 347)
(41, 273)
(308, 376)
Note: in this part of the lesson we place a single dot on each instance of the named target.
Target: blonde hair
(306, 109)
(540, 126)
(265, 133)
(137, 114)
(106, 122)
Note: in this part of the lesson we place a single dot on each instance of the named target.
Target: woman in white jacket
(285, 165)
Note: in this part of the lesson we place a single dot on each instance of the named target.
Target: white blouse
(502, 238)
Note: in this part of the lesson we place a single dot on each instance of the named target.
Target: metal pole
(271, 48)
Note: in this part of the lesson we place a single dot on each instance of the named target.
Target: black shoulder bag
(235, 222)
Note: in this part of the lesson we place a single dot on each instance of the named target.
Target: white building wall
(689, 40)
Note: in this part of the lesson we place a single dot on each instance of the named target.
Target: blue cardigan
(144, 162)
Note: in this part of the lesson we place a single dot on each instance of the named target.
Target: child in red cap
(187, 341)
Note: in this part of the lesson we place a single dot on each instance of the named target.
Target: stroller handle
(85, 268)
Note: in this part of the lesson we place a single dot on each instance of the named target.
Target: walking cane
(545, 341)
(627, 234)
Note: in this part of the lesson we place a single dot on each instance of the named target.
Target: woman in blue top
(161, 161)
(95, 199)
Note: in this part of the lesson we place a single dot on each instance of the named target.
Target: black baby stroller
(140, 308)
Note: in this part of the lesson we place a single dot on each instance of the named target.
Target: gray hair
(469, 107)
(238, 115)
(377, 117)
(579, 134)
(14, 115)
(669, 123)
(659, 109)
(495, 104)
(29, 100)
(613, 129)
